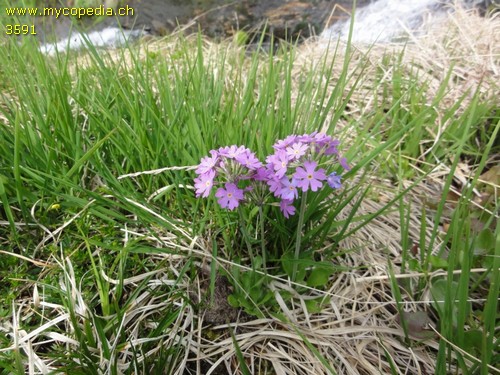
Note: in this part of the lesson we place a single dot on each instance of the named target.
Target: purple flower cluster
(235, 164)
(294, 165)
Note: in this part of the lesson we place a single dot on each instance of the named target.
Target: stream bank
(376, 20)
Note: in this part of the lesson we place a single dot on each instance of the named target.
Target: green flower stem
(298, 238)
(262, 240)
(245, 234)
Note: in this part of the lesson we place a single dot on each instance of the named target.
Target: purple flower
(275, 185)
(262, 174)
(321, 138)
(306, 138)
(270, 160)
(232, 152)
(249, 160)
(204, 183)
(288, 189)
(287, 208)
(280, 163)
(295, 151)
(334, 181)
(207, 163)
(284, 143)
(331, 147)
(307, 177)
(229, 197)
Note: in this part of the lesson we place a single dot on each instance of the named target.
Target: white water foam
(386, 20)
(108, 37)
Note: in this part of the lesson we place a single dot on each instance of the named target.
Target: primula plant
(299, 164)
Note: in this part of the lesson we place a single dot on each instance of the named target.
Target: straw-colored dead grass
(464, 42)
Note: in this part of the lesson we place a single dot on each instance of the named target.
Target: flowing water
(390, 20)
(375, 20)
(386, 20)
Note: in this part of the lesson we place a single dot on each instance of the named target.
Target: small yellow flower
(55, 207)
